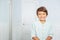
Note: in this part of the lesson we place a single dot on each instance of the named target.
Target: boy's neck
(42, 21)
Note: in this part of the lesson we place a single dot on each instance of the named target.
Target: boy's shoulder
(49, 22)
(35, 22)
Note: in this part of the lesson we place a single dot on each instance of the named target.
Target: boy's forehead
(41, 12)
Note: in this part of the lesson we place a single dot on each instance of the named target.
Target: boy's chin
(42, 20)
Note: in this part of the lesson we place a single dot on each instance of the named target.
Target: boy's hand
(35, 38)
(49, 38)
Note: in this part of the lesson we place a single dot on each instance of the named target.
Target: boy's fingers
(36, 38)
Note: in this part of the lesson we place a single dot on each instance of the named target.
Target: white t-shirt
(41, 30)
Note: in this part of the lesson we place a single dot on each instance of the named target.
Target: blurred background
(17, 16)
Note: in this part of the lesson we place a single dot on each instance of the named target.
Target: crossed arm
(36, 38)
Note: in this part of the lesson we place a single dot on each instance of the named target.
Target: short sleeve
(51, 31)
(33, 33)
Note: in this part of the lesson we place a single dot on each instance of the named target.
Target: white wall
(28, 15)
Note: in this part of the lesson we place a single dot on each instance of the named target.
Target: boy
(42, 30)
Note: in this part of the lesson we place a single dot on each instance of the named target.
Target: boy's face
(42, 15)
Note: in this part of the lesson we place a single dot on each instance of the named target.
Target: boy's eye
(39, 14)
(43, 14)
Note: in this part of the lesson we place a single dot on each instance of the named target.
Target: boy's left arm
(50, 34)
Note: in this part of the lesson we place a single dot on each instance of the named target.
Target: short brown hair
(43, 9)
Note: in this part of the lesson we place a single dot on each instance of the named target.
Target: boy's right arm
(33, 33)
(35, 38)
